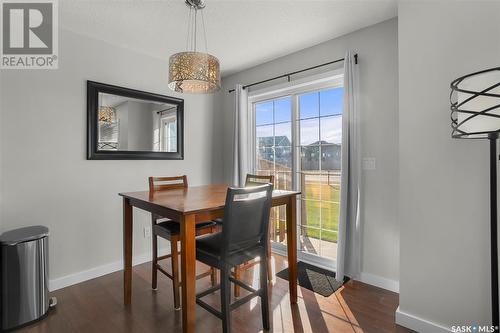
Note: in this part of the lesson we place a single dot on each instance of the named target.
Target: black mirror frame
(93, 90)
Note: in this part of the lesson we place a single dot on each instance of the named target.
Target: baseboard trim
(419, 324)
(71, 279)
(379, 281)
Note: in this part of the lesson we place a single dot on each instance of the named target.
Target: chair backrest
(256, 180)
(246, 218)
(167, 183)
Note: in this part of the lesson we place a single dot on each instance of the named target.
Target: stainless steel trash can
(24, 276)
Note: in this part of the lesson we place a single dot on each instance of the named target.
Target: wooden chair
(255, 180)
(244, 237)
(170, 230)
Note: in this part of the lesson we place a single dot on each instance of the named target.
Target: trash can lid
(21, 235)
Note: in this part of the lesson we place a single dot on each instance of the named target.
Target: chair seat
(208, 251)
(170, 228)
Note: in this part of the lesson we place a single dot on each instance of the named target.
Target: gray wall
(444, 192)
(378, 67)
(140, 123)
(136, 125)
(47, 178)
(122, 118)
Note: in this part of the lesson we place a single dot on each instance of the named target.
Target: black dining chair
(250, 181)
(244, 237)
(170, 230)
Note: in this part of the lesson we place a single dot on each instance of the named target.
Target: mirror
(130, 124)
(133, 124)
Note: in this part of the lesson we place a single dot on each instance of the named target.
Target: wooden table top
(194, 198)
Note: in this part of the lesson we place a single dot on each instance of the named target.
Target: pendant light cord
(189, 34)
(192, 30)
(195, 26)
(204, 31)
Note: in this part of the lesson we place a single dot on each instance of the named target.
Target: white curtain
(241, 159)
(349, 236)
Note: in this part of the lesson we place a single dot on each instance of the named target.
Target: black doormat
(317, 279)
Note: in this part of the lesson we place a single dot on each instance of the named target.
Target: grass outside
(320, 207)
(320, 218)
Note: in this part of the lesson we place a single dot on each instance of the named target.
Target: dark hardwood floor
(97, 306)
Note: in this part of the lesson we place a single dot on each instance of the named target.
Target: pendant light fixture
(107, 114)
(193, 71)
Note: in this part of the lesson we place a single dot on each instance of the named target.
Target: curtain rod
(287, 75)
(165, 110)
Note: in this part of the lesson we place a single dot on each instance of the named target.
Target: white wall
(47, 178)
(378, 66)
(444, 185)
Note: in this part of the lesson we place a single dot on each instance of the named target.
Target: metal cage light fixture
(475, 105)
(192, 71)
(475, 114)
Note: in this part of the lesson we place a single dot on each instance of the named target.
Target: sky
(320, 115)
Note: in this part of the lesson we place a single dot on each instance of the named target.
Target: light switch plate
(369, 163)
(147, 232)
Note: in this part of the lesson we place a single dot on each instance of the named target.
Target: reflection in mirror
(129, 124)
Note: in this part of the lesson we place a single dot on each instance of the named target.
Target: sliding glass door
(273, 120)
(298, 139)
(320, 125)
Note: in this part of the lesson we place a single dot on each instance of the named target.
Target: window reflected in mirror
(129, 124)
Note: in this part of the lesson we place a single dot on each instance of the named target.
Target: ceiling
(241, 33)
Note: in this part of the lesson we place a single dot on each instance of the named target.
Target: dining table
(189, 206)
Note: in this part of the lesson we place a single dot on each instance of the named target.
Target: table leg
(282, 230)
(188, 273)
(291, 233)
(127, 251)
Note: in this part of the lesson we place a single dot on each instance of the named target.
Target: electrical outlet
(147, 232)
